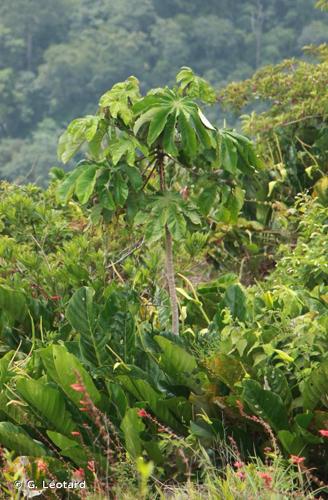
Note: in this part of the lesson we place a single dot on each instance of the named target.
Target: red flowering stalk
(263, 423)
(160, 427)
(295, 459)
(78, 387)
(266, 478)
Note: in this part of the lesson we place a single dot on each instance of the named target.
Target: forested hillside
(57, 57)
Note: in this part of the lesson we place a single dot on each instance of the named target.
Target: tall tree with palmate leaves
(159, 161)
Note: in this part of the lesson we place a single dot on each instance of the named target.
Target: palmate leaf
(78, 132)
(166, 113)
(194, 86)
(120, 98)
(82, 316)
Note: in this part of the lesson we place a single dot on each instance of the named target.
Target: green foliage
(56, 60)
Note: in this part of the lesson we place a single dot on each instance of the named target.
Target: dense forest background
(56, 58)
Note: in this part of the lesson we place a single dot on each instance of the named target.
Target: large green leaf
(178, 363)
(235, 299)
(265, 404)
(63, 367)
(166, 112)
(66, 188)
(132, 426)
(85, 183)
(16, 439)
(81, 315)
(315, 388)
(46, 401)
(69, 448)
(12, 302)
(188, 135)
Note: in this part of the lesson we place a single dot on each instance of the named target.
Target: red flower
(324, 433)
(295, 459)
(84, 409)
(55, 297)
(266, 478)
(142, 413)
(238, 465)
(78, 474)
(91, 466)
(241, 475)
(78, 387)
(75, 433)
(41, 466)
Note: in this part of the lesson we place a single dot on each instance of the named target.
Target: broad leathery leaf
(14, 438)
(120, 190)
(169, 145)
(188, 135)
(235, 299)
(78, 131)
(79, 311)
(293, 443)
(6, 373)
(47, 401)
(134, 176)
(156, 403)
(194, 86)
(144, 118)
(81, 315)
(106, 199)
(207, 198)
(63, 367)
(66, 188)
(176, 362)
(205, 121)
(276, 381)
(205, 136)
(123, 146)
(315, 388)
(85, 183)
(118, 398)
(120, 98)
(154, 230)
(12, 302)
(176, 223)
(265, 404)
(132, 426)
(228, 154)
(225, 368)
(69, 448)
(157, 124)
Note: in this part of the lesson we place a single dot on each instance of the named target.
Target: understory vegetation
(164, 304)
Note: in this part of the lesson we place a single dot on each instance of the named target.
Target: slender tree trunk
(170, 276)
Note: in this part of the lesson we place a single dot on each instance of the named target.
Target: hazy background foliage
(56, 58)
